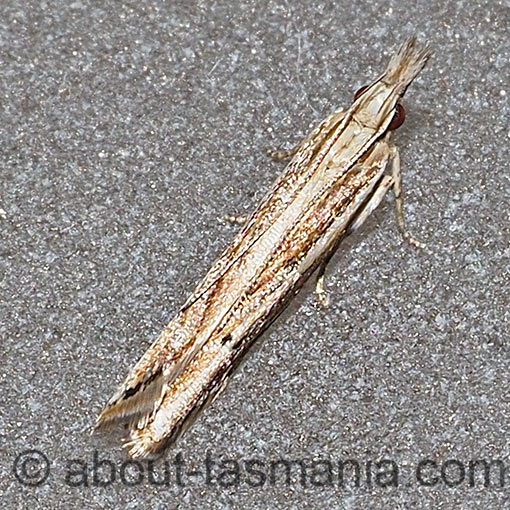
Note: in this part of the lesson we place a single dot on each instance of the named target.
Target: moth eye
(360, 91)
(398, 118)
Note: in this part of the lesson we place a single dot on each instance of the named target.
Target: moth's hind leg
(382, 188)
(387, 181)
(282, 154)
(235, 219)
(396, 173)
(320, 291)
(394, 181)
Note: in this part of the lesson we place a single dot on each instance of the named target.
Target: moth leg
(320, 291)
(282, 154)
(381, 190)
(239, 220)
(399, 201)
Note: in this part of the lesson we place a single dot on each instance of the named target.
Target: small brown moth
(335, 179)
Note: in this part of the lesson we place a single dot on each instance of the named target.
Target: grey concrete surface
(129, 129)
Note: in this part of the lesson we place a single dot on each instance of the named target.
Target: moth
(335, 179)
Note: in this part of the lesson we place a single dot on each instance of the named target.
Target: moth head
(398, 117)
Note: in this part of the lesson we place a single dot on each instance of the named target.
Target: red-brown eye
(360, 91)
(398, 118)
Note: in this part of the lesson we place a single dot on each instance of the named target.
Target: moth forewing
(333, 182)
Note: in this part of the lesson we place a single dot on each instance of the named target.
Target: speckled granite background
(129, 129)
